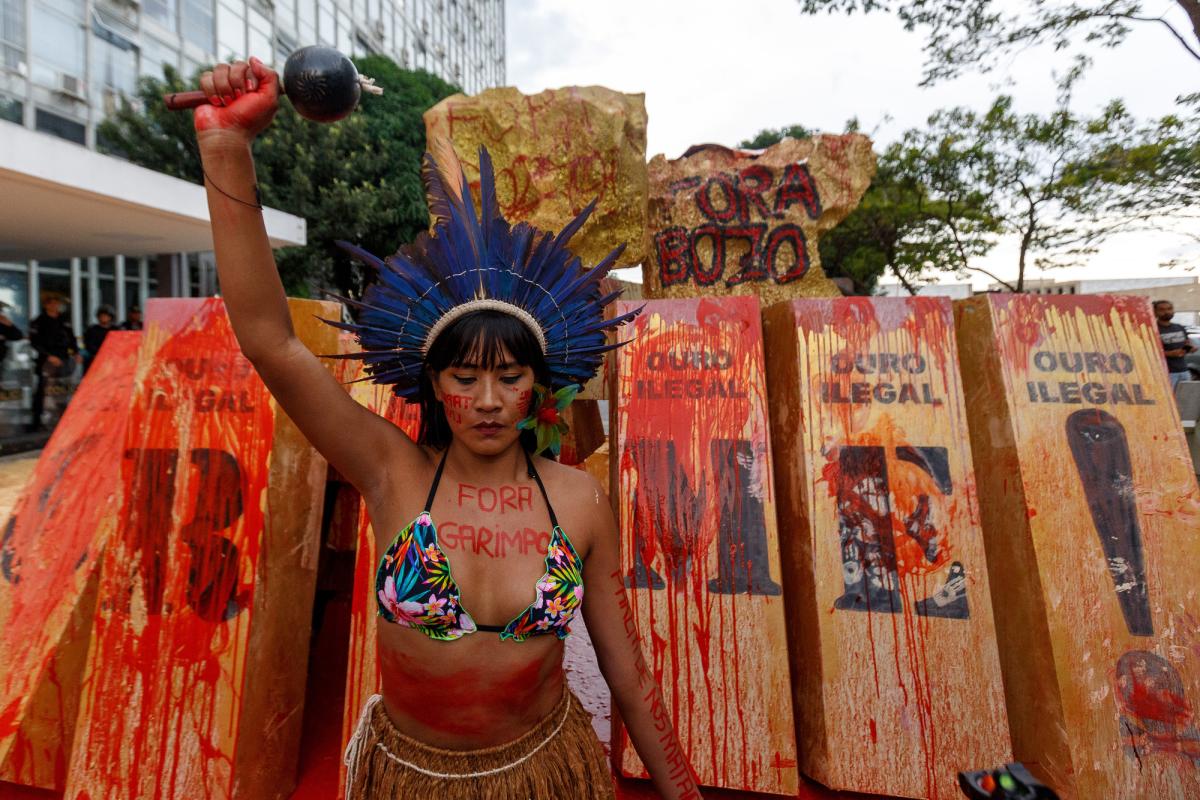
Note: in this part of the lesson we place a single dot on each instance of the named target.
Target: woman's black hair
(480, 339)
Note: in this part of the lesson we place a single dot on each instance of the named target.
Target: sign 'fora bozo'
(725, 221)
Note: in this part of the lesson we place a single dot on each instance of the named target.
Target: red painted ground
(320, 748)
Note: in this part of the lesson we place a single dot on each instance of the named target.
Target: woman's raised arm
(635, 691)
(358, 443)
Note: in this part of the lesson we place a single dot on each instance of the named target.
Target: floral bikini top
(414, 587)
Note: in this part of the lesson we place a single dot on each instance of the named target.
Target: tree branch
(1191, 11)
(994, 277)
(908, 287)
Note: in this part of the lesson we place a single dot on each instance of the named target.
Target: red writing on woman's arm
(680, 775)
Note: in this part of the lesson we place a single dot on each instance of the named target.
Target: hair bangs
(483, 339)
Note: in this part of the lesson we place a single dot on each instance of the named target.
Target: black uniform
(8, 333)
(50, 336)
(93, 337)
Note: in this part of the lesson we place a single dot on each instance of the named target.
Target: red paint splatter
(159, 717)
(49, 554)
(693, 375)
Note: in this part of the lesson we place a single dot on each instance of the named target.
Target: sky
(720, 72)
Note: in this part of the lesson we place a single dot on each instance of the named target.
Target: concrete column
(183, 284)
(76, 297)
(119, 278)
(93, 279)
(143, 282)
(35, 304)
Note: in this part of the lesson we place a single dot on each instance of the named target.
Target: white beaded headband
(483, 304)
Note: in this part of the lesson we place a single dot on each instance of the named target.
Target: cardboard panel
(1090, 513)
(362, 669)
(48, 559)
(195, 678)
(735, 222)
(554, 152)
(892, 641)
(692, 484)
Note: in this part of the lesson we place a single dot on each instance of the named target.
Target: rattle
(322, 84)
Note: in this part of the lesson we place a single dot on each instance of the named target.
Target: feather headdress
(470, 262)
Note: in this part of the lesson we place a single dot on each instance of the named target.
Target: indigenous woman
(489, 327)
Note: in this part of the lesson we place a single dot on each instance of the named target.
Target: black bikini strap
(533, 473)
(437, 478)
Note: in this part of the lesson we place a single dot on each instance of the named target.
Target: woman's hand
(243, 98)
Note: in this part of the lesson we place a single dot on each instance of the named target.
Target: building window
(54, 278)
(12, 33)
(64, 128)
(231, 31)
(14, 294)
(133, 295)
(156, 55)
(306, 16)
(106, 296)
(197, 23)
(345, 42)
(114, 66)
(326, 30)
(192, 69)
(57, 42)
(285, 44)
(161, 11)
(260, 37)
(285, 14)
(11, 109)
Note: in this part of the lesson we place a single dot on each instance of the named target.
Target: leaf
(565, 395)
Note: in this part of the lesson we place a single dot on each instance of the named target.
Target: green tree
(356, 180)
(769, 136)
(917, 217)
(978, 34)
(1151, 172)
(1058, 184)
(143, 131)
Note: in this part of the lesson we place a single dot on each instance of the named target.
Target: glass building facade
(65, 64)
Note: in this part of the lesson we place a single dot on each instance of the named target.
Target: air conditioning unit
(14, 66)
(379, 29)
(71, 86)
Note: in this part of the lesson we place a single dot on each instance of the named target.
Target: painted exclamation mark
(1101, 454)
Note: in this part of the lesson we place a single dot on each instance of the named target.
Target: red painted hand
(243, 98)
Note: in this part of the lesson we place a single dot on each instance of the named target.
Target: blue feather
(468, 255)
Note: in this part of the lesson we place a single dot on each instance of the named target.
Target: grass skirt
(559, 759)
